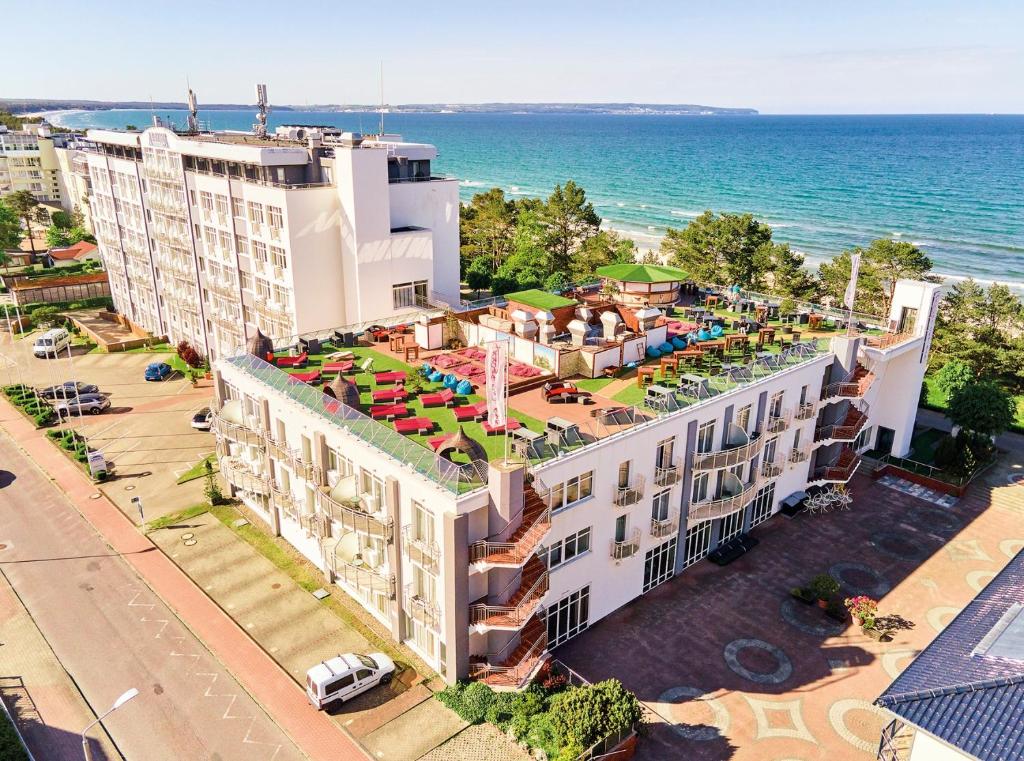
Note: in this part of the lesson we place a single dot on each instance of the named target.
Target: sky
(776, 56)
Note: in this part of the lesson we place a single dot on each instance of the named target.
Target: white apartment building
(483, 569)
(208, 237)
(28, 161)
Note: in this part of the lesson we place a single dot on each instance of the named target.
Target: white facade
(208, 237)
(28, 161)
(463, 574)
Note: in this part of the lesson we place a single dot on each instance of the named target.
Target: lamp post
(125, 697)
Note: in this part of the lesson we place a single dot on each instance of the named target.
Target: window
(572, 546)
(278, 257)
(698, 542)
(761, 507)
(621, 524)
(206, 200)
(700, 488)
(339, 463)
(255, 213)
(422, 523)
(862, 439)
(706, 437)
(245, 279)
(405, 295)
(624, 469)
(363, 674)
(221, 204)
(282, 296)
(743, 419)
(246, 314)
(803, 394)
(224, 240)
(568, 617)
(262, 288)
(666, 449)
(659, 564)
(372, 486)
(775, 405)
(242, 245)
(771, 448)
(732, 526)
(660, 505)
(339, 684)
(274, 217)
(259, 251)
(238, 208)
(573, 490)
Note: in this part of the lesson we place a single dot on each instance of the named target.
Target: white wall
(928, 748)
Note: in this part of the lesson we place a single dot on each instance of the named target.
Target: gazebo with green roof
(639, 285)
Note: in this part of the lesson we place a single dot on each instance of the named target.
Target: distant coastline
(32, 106)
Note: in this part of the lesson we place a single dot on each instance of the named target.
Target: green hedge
(25, 399)
(11, 748)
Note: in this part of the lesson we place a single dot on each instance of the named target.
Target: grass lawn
(443, 417)
(178, 517)
(631, 394)
(593, 385)
(934, 401)
(922, 446)
(199, 469)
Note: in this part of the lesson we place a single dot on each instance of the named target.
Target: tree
(212, 488)
(882, 263)
(953, 376)
(57, 237)
(557, 281)
(479, 274)
(62, 220)
(787, 276)
(24, 204)
(982, 408)
(724, 249)
(487, 228)
(834, 276)
(10, 227)
(606, 247)
(568, 219)
(528, 266)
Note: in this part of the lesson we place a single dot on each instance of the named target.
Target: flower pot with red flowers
(863, 609)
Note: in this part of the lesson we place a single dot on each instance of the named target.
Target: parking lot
(731, 666)
(146, 432)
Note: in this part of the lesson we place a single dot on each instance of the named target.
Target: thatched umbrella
(259, 345)
(460, 442)
(344, 390)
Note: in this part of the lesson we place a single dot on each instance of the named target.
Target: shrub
(503, 708)
(584, 715)
(946, 452)
(542, 733)
(982, 407)
(824, 586)
(189, 355)
(470, 701)
(953, 376)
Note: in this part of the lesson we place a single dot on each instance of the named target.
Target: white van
(51, 343)
(348, 675)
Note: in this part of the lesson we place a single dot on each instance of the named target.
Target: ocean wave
(684, 213)
(470, 183)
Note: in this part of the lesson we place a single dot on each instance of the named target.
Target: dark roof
(259, 345)
(957, 689)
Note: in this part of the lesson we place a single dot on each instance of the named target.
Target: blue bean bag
(665, 348)
(652, 352)
(716, 331)
(427, 369)
(464, 387)
(691, 337)
(630, 365)
(435, 376)
(679, 342)
(703, 335)
(450, 381)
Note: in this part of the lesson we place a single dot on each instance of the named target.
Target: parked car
(92, 404)
(562, 391)
(345, 676)
(203, 420)
(68, 390)
(157, 371)
(51, 343)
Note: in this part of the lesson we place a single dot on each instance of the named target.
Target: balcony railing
(420, 551)
(515, 663)
(662, 527)
(627, 548)
(719, 507)
(806, 411)
(798, 454)
(888, 340)
(242, 478)
(631, 493)
(840, 471)
(285, 502)
(777, 423)
(362, 577)
(511, 615)
(668, 473)
(727, 458)
(223, 286)
(351, 518)
(518, 540)
(847, 431)
(238, 433)
(421, 610)
(770, 469)
(162, 172)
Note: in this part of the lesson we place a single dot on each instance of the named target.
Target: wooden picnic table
(765, 335)
(814, 321)
(736, 339)
(642, 373)
(668, 363)
(712, 347)
(711, 301)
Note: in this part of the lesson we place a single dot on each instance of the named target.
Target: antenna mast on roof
(381, 79)
(262, 109)
(193, 111)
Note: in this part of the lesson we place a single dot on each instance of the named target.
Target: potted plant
(823, 587)
(863, 609)
(803, 594)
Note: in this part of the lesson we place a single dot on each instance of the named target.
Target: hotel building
(484, 567)
(208, 237)
(28, 161)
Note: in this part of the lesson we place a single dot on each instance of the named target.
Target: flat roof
(538, 299)
(643, 273)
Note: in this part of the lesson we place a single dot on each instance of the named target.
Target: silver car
(92, 404)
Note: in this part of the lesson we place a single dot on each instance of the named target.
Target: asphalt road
(111, 632)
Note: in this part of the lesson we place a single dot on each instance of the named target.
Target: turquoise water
(951, 184)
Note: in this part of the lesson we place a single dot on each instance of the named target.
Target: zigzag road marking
(163, 621)
(227, 714)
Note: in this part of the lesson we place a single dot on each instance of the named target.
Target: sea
(952, 185)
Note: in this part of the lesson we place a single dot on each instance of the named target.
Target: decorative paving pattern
(933, 519)
(779, 718)
(809, 619)
(781, 673)
(1010, 547)
(701, 730)
(967, 550)
(899, 546)
(977, 580)
(866, 738)
(940, 616)
(917, 490)
(843, 572)
(894, 661)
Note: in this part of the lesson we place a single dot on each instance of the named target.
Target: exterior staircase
(516, 547)
(512, 672)
(855, 385)
(846, 430)
(840, 471)
(513, 611)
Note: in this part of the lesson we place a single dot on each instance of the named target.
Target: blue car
(157, 371)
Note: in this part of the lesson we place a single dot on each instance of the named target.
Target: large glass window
(706, 437)
(700, 488)
(660, 505)
(743, 419)
(568, 617)
(407, 295)
(761, 507)
(573, 490)
(698, 542)
(659, 564)
(732, 525)
(564, 550)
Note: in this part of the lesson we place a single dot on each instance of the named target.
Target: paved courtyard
(734, 668)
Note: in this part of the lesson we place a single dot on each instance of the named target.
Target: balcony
(847, 430)
(727, 503)
(226, 287)
(166, 204)
(293, 459)
(358, 575)
(515, 544)
(770, 469)
(629, 494)
(627, 548)
(273, 310)
(667, 473)
(424, 553)
(839, 471)
(798, 455)
(662, 527)
(728, 457)
(888, 340)
(159, 172)
(513, 606)
(285, 502)
(241, 477)
(350, 517)
(513, 665)
(237, 433)
(421, 610)
(778, 422)
(806, 411)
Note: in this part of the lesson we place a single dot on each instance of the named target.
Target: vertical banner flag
(926, 345)
(497, 388)
(851, 289)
